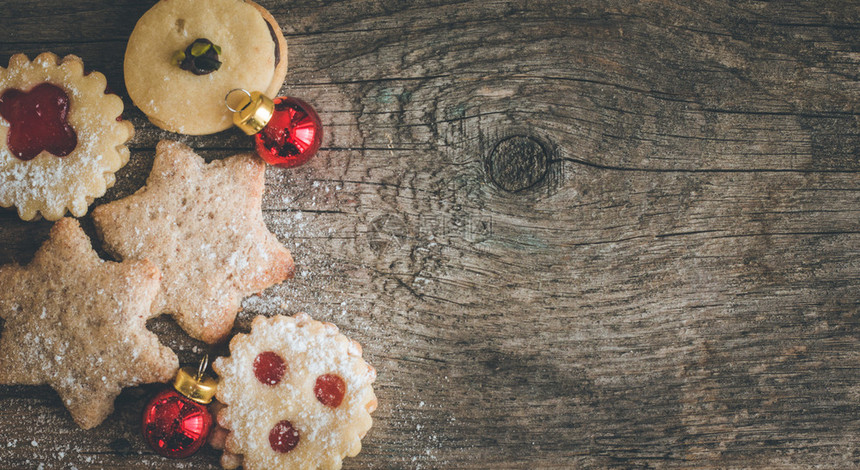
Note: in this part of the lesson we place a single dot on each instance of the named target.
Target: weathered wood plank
(676, 287)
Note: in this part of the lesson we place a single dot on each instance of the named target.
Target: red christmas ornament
(287, 131)
(176, 422)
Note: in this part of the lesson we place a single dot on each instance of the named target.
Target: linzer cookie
(298, 395)
(77, 323)
(202, 225)
(184, 56)
(60, 140)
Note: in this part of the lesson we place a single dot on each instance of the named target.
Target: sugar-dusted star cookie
(77, 323)
(202, 225)
(298, 395)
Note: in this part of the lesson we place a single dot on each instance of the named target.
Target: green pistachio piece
(200, 48)
(199, 58)
(177, 58)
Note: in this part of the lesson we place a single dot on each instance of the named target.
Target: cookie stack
(298, 395)
(253, 56)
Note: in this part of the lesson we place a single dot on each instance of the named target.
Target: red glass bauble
(292, 136)
(175, 426)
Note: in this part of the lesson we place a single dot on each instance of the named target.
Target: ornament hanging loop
(204, 363)
(230, 93)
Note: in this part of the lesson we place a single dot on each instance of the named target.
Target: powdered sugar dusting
(310, 349)
(50, 185)
(86, 341)
(202, 226)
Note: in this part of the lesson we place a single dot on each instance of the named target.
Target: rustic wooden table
(591, 234)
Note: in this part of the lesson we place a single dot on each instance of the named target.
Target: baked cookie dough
(60, 139)
(252, 55)
(78, 323)
(202, 225)
(298, 395)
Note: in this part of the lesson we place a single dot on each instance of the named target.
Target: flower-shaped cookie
(298, 395)
(60, 140)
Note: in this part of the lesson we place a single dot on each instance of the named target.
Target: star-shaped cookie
(202, 225)
(78, 324)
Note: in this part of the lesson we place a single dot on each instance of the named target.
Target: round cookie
(253, 56)
(297, 395)
(60, 137)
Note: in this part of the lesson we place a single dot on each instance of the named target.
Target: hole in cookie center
(180, 25)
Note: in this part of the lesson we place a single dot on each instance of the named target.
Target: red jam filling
(283, 437)
(269, 368)
(37, 121)
(330, 389)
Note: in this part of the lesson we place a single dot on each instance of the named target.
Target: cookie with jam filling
(61, 136)
(184, 56)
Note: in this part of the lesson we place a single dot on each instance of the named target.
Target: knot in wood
(517, 163)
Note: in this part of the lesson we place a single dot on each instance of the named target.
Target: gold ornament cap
(194, 384)
(253, 112)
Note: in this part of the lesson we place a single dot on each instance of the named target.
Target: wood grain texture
(676, 286)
